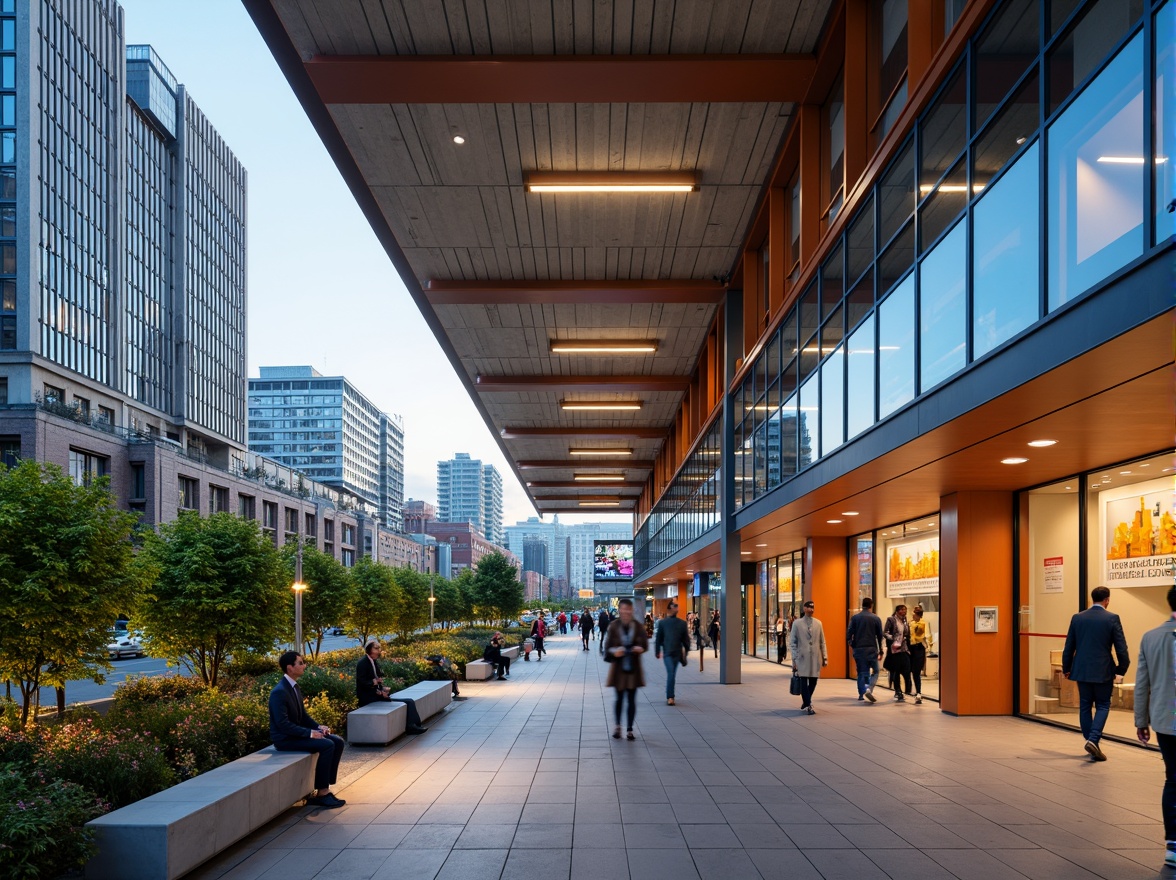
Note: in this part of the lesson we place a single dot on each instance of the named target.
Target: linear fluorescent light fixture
(599, 478)
(610, 182)
(1129, 160)
(950, 188)
(603, 346)
(600, 405)
(600, 504)
(591, 451)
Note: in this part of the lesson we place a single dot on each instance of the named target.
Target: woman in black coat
(715, 631)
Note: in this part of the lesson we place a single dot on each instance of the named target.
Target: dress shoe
(416, 729)
(1096, 753)
(501, 678)
(326, 801)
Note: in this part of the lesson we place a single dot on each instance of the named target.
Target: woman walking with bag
(921, 643)
(624, 643)
(806, 642)
(715, 631)
(781, 638)
(898, 652)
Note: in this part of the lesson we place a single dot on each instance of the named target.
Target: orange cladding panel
(825, 572)
(976, 569)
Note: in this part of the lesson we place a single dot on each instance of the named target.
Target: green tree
(466, 587)
(450, 606)
(498, 588)
(373, 594)
(410, 608)
(327, 595)
(67, 570)
(221, 589)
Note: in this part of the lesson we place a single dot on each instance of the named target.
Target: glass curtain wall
(907, 573)
(1114, 527)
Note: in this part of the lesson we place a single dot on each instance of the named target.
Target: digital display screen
(613, 561)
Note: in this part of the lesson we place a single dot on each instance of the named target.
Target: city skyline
(304, 254)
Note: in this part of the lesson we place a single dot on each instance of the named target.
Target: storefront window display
(907, 573)
(1128, 544)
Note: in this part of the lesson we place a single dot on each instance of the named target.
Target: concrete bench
(480, 670)
(512, 653)
(431, 697)
(376, 723)
(166, 835)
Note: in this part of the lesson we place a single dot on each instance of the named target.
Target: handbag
(682, 655)
(794, 685)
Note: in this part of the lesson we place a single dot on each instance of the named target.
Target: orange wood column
(976, 568)
(924, 33)
(825, 575)
(809, 116)
(856, 73)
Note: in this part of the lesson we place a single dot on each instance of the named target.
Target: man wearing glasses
(806, 643)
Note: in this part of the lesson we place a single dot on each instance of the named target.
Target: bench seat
(479, 670)
(512, 653)
(376, 723)
(168, 834)
(431, 697)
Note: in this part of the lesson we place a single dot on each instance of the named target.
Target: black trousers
(329, 750)
(1168, 804)
(414, 717)
(632, 707)
(502, 665)
(918, 664)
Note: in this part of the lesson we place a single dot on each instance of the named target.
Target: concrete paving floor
(524, 781)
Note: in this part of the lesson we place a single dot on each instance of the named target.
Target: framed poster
(986, 618)
(912, 567)
(1138, 534)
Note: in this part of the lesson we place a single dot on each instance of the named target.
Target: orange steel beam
(563, 79)
(587, 464)
(510, 433)
(466, 293)
(494, 384)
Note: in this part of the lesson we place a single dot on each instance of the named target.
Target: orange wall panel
(825, 573)
(976, 568)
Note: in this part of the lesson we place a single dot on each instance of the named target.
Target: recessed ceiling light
(1094, 486)
(912, 528)
(931, 524)
(590, 451)
(603, 346)
(1165, 470)
(600, 405)
(1146, 464)
(609, 182)
(1068, 488)
(950, 188)
(1122, 160)
(744, 552)
(458, 139)
(1124, 473)
(1040, 444)
(1020, 140)
(833, 521)
(1013, 460)
(598, 478)
(761, 545)
(600, 504)
(849, 513)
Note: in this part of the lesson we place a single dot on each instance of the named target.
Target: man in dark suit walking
(1087, 661)
(293, 730)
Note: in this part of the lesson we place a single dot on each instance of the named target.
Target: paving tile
(447, 814)
(484, 864)
(597, 813)
(548, 864)
(419, 864)
(300, 864)
(354, 864)
(973, 864)
(666, 835)
(811, 836)
(545, 835)
(486, 836)
(724, 864)
(380, 837)
(432, 837)
(709, 836)
(696, 814)
(849, 864)
(601, 863)
(762, 836)
(648, 863)
(776, 864)
(401, 814)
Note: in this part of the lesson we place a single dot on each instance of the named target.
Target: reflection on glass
(860, 242)
(773, 450)
(1005, 255)
(1006, 48)
(942, 327)
(810, 318)
(760, 449)
(945, 200)
(897, 259)
(1165, 101)
(789, 457)
(809, 423)
(832, 401)
(942, 130)
(1016, 124)
(1100, 26)
(1096, 167)
(896, 348)
(896, 194)
(860, 375)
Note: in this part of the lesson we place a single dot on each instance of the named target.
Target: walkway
(523, 781)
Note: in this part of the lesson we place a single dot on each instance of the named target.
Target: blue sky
(321, 290)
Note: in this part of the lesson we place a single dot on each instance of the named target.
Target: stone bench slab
(166, 835)
(431, 696)
(376, 723)
(479, 670)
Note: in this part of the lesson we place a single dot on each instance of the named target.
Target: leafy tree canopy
(327, 595)
(374, 594)
(497, 587)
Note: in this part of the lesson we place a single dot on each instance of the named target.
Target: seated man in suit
(369, 686)
(293, 730)
(493, 656)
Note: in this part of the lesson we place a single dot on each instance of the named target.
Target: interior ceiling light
(1041, 444)
(602, 452)
(600, 405)
(603, 346)
(458, 139)
(849, 513)
(599, 478)
(1129, 160)
(610, 182)
(761, 545)
(1124, 473)
(1013, 460)
(950, 188)
(833, 521)
(744, 552)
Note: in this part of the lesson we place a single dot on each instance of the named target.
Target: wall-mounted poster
(912, 567)
(1139, 535)
(1052, 579)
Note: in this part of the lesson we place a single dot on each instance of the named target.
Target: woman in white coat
(806, 643)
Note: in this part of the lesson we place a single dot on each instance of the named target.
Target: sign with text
(1051, 578)
(1139, 535)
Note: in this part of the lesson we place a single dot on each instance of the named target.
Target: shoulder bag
(794, 684)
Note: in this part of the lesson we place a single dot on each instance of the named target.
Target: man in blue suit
(293, 730)
(1155, 695)
(1086, 660)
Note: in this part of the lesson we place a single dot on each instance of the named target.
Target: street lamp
(432, 603)
(299, 588)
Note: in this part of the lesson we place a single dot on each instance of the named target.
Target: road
(85, 690)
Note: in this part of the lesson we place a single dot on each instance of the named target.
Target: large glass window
(1098, 28)
(833, 401)
(809, 422)
(1005, 256)
(835, 147)
(859, 388)
(892, 51)
(942, 309)
(1165, 109)
(907, 573)
(896, 348)
(942, 131)
(1096, 169)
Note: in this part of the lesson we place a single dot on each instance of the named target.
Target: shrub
(19, 747)
(148, 690)
(248, 664)
(42, 825)
(326, 711)
(119, 766)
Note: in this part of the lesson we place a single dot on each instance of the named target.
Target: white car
(124, 645)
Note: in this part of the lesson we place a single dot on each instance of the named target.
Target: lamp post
(299, 588)
(432, 603)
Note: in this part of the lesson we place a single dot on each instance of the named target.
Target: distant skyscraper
(553, 534)
(581, 539)
(469, 491)
(323, 426)
(535, 556)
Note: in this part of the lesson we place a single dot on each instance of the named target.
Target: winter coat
(617, 676)
(806, 644)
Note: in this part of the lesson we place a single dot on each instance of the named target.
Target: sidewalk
(523, 781)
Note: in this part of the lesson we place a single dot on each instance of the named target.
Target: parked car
(124, 644)
(334, 631)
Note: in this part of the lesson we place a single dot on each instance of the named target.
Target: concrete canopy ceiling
(498, 272)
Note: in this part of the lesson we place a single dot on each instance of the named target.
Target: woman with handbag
(898, 652)
(624, 643)
(921, 643)
(806, 643)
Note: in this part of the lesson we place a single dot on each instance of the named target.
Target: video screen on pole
(613, 561)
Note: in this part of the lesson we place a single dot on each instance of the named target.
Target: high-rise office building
(122, 242)
(324, 427)
(470, 491)
(535, 556)
(581, 546)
